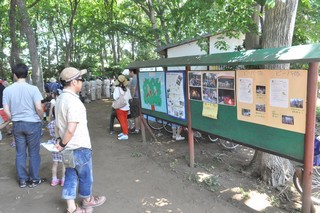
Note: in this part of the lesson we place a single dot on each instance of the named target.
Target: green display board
(227, 126)
(261, 137)
(289, 144)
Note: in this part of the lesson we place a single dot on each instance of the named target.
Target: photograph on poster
(226, 97)
(246, 112)
(261, 89)
(296, 103)
(226, 82)
(261, 107)
(195, 79)
(209, 80)
(286, 119)
(210, 95)
(195, 93)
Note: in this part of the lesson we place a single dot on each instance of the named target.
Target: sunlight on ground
(202, 177)
(252, 199)
(170, 150)
(153, 203)
(107, 100)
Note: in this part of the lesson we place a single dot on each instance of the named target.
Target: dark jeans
(112, 117)
(27, 136)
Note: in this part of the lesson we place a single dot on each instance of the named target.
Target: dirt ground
(151, 177)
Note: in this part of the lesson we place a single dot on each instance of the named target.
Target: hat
(71, 73)
(122, 79)
(53, 80)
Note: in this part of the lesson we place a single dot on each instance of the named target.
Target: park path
(131, 181)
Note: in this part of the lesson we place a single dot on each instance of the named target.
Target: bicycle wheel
(167, 126)
(297, 177)
(227, 144)
(315, 193)
(213, 138)
(155, 123)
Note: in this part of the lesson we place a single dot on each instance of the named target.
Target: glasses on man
(80, 79)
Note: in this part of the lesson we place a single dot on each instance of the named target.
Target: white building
(190, 48)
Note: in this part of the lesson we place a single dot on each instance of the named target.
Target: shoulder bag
(120, 102)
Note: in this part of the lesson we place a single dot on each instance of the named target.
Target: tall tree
(27, 29)
(14, 55)
(277, 31)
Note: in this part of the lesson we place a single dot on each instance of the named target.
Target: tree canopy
(105, 35)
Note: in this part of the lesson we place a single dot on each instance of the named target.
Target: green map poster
(152, 91)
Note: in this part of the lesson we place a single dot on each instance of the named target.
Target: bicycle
(225, 143)
(158, 124)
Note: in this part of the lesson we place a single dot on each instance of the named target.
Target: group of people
(95, 88)
(131, 94)
(22, 106)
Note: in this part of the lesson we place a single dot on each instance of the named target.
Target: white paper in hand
(50, 146)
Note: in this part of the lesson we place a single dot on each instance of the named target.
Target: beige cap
(71, 73)
(122, 79)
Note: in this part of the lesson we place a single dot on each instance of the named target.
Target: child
(56, 156)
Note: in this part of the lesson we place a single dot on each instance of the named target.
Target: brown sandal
(82, 210)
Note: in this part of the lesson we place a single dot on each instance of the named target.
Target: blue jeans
(27, 135)
(82, 173)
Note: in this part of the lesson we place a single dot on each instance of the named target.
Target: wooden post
(190, 131)
(312, 87)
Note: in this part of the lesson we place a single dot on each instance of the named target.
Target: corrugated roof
(295, 54)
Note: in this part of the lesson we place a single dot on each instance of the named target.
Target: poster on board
(152, 91)
(272, 98)
(216, 87)
(175, 91)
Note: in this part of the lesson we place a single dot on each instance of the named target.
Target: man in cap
(73, 134)
(22, 104)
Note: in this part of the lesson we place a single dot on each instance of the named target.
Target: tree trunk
(73, 6)
(113, 47)
(27, 29)
(278, 27)
(277, 32)
(252, 39)
(14, 55)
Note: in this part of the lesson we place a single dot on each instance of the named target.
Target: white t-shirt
(127, 97)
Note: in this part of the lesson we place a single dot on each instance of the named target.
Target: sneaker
(23, 184)
(82, 210)
(55, 182)
(179, 138)
(35, 183)
(94, 201)
(123, 137)
(119, 135)
(135, 131)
